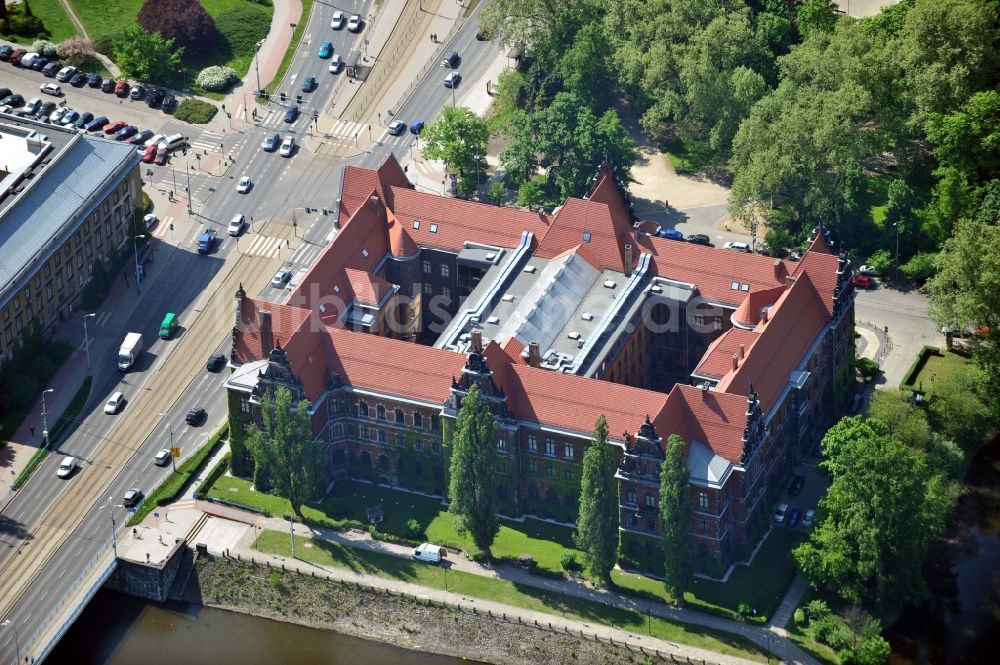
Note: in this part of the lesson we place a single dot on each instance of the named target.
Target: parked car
(271, 142)
(66, 73)
(140, 138)
(452, 80)
(215, 363)
(149, 154)
(5, 92)
(168, 104)
(156, 97)
(354, 23)
(13, 101)
(121, 89)
(69, 117)
(79, 80)
(173, 141)
(108, 84)
(162, 155)
(396, 127)
(155, 140)
(737, 245)
(287, 147)
(236, 224)
(670, 234)
(96, 123)
(451, 59)
(781, 513)
(115, 403)
(244, 185)
(133, 497)
(150, 220)
(793, 517)
(336, 64)
(66, 467)
(798, 482)
(39, 63)
(807, 520)
(309, 84)
(138, 92)
(45, 110)
(863, 282)
(33, 105)
(84, 118)
(281, 277)
(699, 239)
(54, 116)
(94, 80)
(16, 56)
(113, 127)
(417, 127)
(325, 50)
(125, 132)
(162, 458)
(52, 70)
(5, 52)
(337, 22)
(51, 89)
(195, 416)
(292, 113)
(867, 271)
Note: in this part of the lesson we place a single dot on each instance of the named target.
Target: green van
(169, 326)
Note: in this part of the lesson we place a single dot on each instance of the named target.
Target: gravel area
(404, 622)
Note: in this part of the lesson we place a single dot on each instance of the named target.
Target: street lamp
(256, 60)
(135, 246)
(896, 224)
(185, 78)
(86, 338)
(45, 416)
(17, 641)
(170, 429)
(291, 533)
(111, 511)
(188, 171)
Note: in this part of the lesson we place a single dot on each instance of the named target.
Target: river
(960, 623)
(116, 629)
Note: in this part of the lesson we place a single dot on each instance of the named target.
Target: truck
(129, 353)
(206, 240)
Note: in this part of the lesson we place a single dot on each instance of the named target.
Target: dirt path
(82, 31)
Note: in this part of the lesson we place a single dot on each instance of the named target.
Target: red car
(121, 89)
(148, 154)
(113, 127)
(161, 156)
(862, 282)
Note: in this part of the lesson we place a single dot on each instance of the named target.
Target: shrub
(920, 267)
(45, 48)
(78, 51)
(413, 528)
(217, 78)
(744, 609)
(711, 565)
(195, 111)
(498, 192)
(874, 651)
(840, 637)
(568, 562)
(816, 609)
(880, 262)
(868, 368)
(800, 617)
(19, 24)
(184, 21)
(275, 579)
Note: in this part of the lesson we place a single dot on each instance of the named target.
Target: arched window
(400, 416)
(380, 412)
(366, 458)
(383, 462)
(363, 409)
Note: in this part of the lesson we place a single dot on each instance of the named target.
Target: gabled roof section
(359, 184)
(513, 347)
(367, 289)
(822, 270)
(793, 325)
(748, 313)
(592, 224)
(306, 355)
(718, 360)
(249, 337)
(392, 366)
(720, 274)
(714, 419)
(401, 243)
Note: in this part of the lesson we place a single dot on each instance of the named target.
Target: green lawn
(947, 364)
(272, 87)
(54, 18)
(102, 18)
(503, 591)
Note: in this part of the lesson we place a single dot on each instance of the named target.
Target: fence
(882, 332)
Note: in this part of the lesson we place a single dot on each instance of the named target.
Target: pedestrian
(135, 533)
(32, 428)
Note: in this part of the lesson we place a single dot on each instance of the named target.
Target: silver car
(281, 278)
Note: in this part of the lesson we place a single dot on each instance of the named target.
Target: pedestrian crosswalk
(162, 230)
(209, 140)
(266, 246)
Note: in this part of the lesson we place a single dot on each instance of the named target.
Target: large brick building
(558, 318)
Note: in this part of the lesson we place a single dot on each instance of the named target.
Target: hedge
(918, 365)
(195, 111)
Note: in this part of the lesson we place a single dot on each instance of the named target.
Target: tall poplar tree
(472, 487)
(675, 519)
(284, 450)
(597, 524)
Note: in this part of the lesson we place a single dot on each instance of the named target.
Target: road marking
(103, 318)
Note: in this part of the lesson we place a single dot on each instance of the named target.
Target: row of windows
(550, 470)
(429, 269)
(429, 290)
(417, 419)
(550, 447)
(382, 436)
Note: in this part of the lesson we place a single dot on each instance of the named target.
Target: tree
(957, 409)
(884, 506)
(536, 25)
(284, 450)
(597, 524)
(965, 292)
(144, 56)
(675, 519)
(77, 51)
(816, 16)
(584, 67)
(472, 486)
(184, 21)
(459, 138)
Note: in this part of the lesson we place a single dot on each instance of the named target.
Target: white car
(807, 521)
(337, 22)
(151, 220)
(157, 138)
(50, 89)
(114, 403)
(66, 467)
(452, 80)
(354, 23)
(736, 245)
(244, 185)
(236, 224)
(336, 63)
(781, 513)
(56, 115)
(281, 277)
(162, 458)
(287, 146)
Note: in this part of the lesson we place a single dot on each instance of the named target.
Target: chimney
(534, 354)
(743, 351)
(374, 201)
(477, 339)
(764, 314)
(736, 361)
(266, 334)
(777, 269)
(628, 259)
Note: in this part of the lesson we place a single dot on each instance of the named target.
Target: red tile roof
(513, 347)
(715, 419)
(285, 323)
(359, 183)
(401, 243)
(748, 313)
(822, 270)
(576, 218)
(366, 289)
(718, 360)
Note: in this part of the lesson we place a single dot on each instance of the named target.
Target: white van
(173, 141)
(66, 467)
(428, 552)
(28, 59)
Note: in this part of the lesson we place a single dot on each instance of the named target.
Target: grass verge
(300, 27)
(373, 563)
(55, 19)
(175, 484)
(69, 416)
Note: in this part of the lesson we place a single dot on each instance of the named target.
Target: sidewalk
(234, 531)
